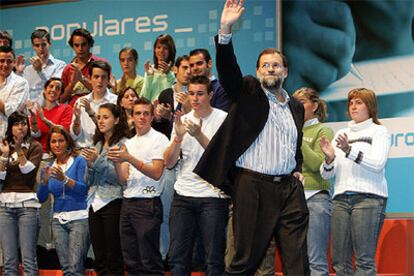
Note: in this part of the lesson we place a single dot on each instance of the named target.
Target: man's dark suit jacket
(246, 118)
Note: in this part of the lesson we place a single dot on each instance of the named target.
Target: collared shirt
(14, 94)
(273, 151)
(87, 128)
(52, 68)
(311, 122)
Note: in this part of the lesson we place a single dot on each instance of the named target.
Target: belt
(24, 204)
(262, 176)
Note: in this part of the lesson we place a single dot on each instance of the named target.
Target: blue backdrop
(116, 24)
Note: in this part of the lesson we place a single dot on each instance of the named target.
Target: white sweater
(362, 171)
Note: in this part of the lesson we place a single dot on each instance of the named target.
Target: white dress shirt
(87, 127)
(37, 80)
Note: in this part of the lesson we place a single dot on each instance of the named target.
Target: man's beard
(272, 83)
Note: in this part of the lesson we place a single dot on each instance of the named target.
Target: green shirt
(156, 83)
(313, 156)
(136, 84)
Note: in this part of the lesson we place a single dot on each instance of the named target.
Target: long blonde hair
(322, 111)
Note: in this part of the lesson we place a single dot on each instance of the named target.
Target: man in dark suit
(258, 145)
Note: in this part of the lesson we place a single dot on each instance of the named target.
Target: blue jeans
(320, 208)
(72, 243)
(210, 214)
(356, 223)
(19, 226)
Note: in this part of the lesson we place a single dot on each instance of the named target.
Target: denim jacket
(103, 179)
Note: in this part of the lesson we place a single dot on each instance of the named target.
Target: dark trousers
(210, 215)
(263, 209)
(140, 235)
(106, 242)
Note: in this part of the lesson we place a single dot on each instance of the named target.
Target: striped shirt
(273, 151)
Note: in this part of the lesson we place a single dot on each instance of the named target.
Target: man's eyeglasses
(268, 66)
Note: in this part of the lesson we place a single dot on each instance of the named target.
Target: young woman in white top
(357, 160)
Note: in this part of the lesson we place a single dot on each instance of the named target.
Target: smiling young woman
(64, 178)
(52, 113)
(159, 76)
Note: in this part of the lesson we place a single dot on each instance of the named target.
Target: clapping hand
(20, 64)
(77, 111)
(182, 98)
(178, 125)
(45, 175)
(4, 148)
(37, 63)
(85, 103)
(164, 111)
(327, 149)
(164, 67)
(148, 68)
(57, 173)
(342, 142)
(118, 154)
(90, 154)
(77, 74)
(192, 128)
(31, 107)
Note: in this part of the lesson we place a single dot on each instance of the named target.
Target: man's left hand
(300, 177)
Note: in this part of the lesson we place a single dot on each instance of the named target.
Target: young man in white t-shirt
(140, 165)
(196, 202)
